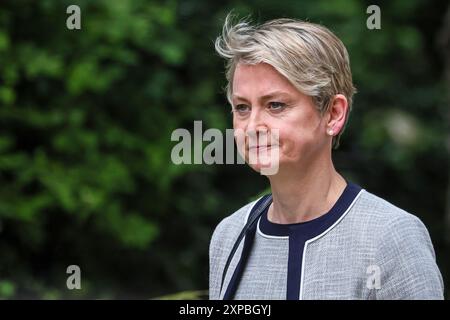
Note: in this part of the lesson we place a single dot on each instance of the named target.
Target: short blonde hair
(309, 55)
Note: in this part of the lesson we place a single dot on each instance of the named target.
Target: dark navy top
(298, 234)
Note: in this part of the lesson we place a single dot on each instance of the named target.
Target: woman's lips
(260, 147)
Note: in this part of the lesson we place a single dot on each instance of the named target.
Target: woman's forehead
(260, 79)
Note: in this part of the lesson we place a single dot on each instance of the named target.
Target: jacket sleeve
(407, 262)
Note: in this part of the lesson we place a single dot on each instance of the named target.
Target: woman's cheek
(290, 146)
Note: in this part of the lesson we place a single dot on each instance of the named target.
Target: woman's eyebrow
(237, 97)
(273, 95)
(264, 97)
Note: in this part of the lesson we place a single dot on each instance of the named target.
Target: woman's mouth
(259, 147)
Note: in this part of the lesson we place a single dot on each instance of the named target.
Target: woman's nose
(256, 128)
(256, 121)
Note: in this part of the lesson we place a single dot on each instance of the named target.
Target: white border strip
(269, 236)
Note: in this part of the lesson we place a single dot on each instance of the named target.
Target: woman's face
(265, 102)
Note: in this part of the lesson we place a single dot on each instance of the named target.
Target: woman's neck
(303, 195)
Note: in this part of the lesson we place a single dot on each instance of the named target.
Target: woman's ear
(337, 112)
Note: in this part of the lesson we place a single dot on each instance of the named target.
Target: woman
(317, 236)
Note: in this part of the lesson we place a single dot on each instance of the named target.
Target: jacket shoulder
(229, 228)
(222, 240)
(382, 212)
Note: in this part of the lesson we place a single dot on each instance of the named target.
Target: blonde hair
(309, 55)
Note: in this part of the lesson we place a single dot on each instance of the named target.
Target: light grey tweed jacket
(338, 263)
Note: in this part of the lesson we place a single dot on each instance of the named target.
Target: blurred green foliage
(86, 118)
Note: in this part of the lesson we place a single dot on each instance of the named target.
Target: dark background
(86, 118)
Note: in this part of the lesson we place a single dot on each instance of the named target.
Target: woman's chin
(265, 168)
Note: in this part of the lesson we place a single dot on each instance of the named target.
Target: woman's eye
(241, 108)
(277, 105)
